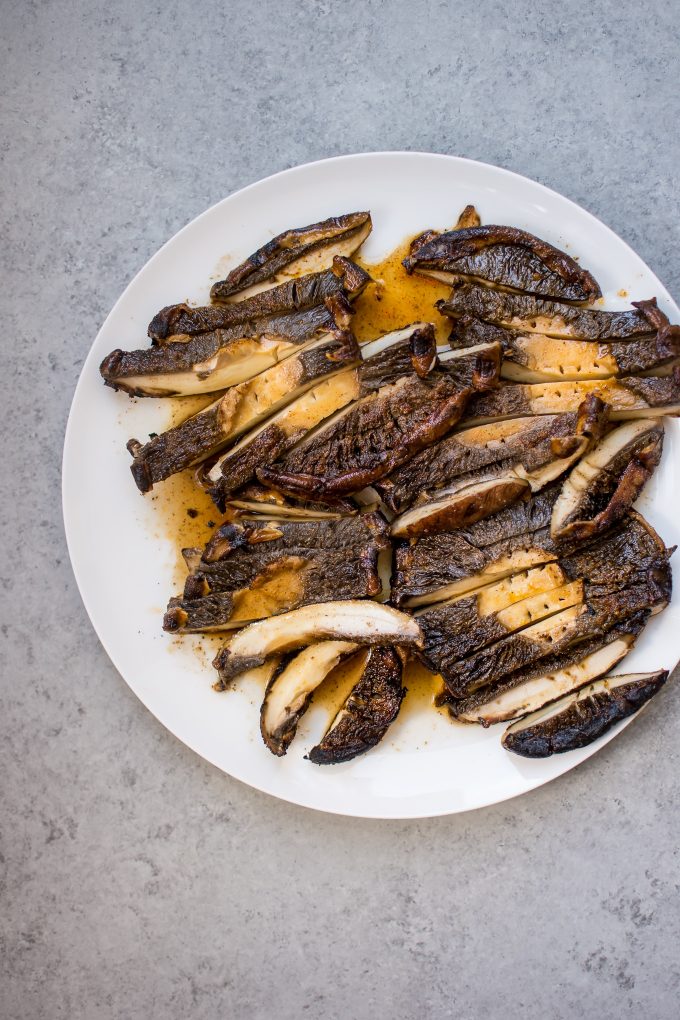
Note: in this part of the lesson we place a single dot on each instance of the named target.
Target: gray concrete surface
(137, 881)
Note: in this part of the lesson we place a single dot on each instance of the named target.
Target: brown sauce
(397, 299)
(186, 515)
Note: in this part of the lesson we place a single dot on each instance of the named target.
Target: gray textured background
(137, 880)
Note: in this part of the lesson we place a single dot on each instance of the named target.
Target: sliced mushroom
(308, 513)
(461, 627)
(213, 361)
(578, 719)
(279, 433)
(605, 484)
(289, 693)
(471, 501)
(535, 358)
(629, 397)
(260, 675)
(624, 572)
(527, 447)
(254, 567)
(531, 689)
(241, 408)
(365, 622)
(370, 708)
(529, 314)
(437, 567)
(460, 506)
(384, 360)
(502, 256)
(376, 434)
(301, 250)
(292, 298)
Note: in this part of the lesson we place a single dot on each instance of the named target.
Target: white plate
(425, 766)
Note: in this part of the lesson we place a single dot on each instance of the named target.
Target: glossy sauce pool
(187, 516)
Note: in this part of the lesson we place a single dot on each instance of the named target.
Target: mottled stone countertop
(137, 880)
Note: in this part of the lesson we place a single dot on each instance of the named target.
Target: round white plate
(124, 567)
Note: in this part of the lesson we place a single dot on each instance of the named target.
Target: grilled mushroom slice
(553, 318)
(628, 396)
(383, 430)
(211, 361)
(289, 693)
(623, 573)
(606, 483)
(529, 689)
(343, 278)
(506, 257)
(535, 358)
(384, 360)
(259, 675)
(297, 251)
(257, 567)
(286, 509)
(362, 621)
(578, 719)
(280, 432)
(370, 708)
(437, 567)
(462, 504)
(242, 407)
(525, 445)
(470, 497)
(465, 624)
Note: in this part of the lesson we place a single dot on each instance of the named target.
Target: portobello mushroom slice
(287, 509)
(578, 719)
(213, 361)
(526, 445)
(297, 251)
(530, 314)
(362, 621)
(242, 407)
(476, 495)
(404, 351)
(343, 278)
(260, 675)
(289, 692)
(437, 567)
(535, 358)
(368, 711)
(462, 626)
(604, 605)
(621, 573)
(256, 499)
(507, 257)
(255, 568)
(280, 432)
(628, 396)
(551, 678)
(463, 504)
(606, 483)
(378, 433)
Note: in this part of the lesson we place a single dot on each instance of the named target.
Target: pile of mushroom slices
(492, 478)
(518, 550)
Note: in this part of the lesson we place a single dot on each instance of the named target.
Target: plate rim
(402, 812)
